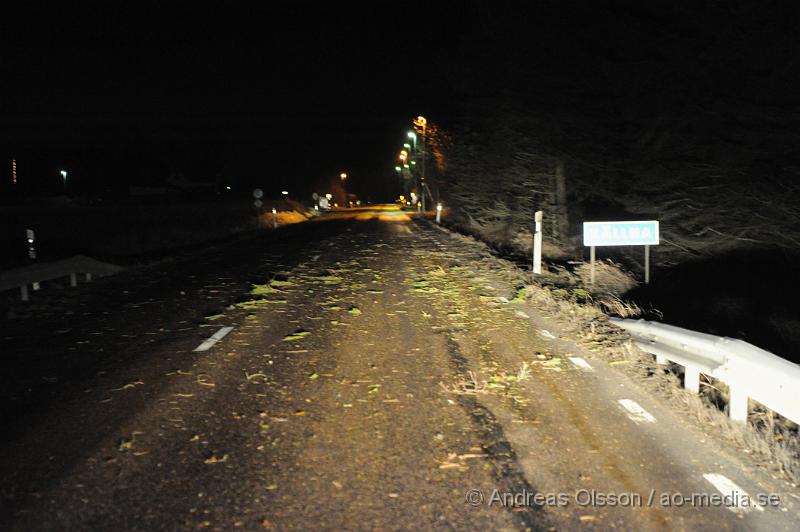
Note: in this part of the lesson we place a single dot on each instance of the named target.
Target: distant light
(413, 162)
(398, 168)
(407, 145)
(274, 211)
(405, 166)
(285, 192)
(439, 207)
(412, 135)
(63, 173)
(228, 187)
(329, 196)
(343, 175)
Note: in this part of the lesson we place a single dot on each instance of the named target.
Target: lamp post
(413, 137)
(422, 123)
(343, 177)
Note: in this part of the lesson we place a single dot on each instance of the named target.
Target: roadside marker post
(537, 243)
(634, 233)
(438, 213)
(274, 218)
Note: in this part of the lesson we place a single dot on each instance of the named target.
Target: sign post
(31, 237)
(257, 195)
(537, 243)
(635, 233)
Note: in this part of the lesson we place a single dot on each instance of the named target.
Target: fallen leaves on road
(128, 386)
(257, 375)
(213, 459)
(297, 335)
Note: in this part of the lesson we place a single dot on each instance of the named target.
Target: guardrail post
(737, 403)
(73, 279)
(23, 290)
(691, 379)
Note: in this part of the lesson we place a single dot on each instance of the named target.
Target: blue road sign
(641, 233)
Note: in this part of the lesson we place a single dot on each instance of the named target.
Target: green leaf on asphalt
(297, 335)
(355, 311)
(328, 279)
(261, 289)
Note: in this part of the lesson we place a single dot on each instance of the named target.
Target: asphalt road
(340, 395)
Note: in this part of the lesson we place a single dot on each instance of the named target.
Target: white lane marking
(636, 412)
(521, 314)
(315, 258)
(502, 299)
(581, 363)
(544, 333)
(216, 337)
(736, 499)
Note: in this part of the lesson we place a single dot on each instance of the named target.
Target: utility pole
(560, 219)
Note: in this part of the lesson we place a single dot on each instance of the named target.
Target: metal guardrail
(46, 271)
(750, 372)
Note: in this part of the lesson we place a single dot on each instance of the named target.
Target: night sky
(279, 97)
(287, 95)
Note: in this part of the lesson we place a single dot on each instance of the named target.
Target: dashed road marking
(216, 337)
(521, 314)
(581, 363)
(502, 299)
(635, 412)
(736, 499)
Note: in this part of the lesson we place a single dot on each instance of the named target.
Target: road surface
(368, 372)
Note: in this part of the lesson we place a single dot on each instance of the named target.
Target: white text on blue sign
(639, 233)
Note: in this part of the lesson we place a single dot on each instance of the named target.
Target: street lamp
(422, 123)
(285, 192)
(64, 178)
(413, 137)
(343, 176)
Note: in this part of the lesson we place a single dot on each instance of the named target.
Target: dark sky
(282, 93)
(286, 94)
